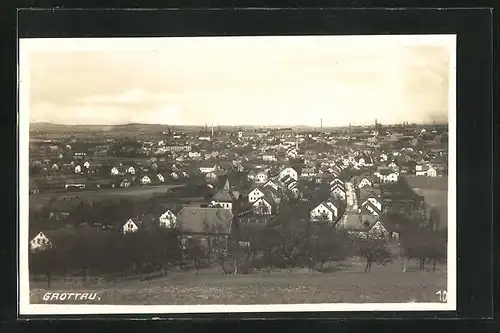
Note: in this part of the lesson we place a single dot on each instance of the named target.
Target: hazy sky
(240, 81)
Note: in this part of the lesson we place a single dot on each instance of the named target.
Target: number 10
(443, 296)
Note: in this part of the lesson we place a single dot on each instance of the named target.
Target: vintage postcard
(237, 174)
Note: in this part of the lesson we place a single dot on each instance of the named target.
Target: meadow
(344, 283)
(39, 200)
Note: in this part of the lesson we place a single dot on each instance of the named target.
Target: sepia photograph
(237, 174)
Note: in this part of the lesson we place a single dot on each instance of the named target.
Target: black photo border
(474, 30)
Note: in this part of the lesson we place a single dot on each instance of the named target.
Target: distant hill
(138, 127)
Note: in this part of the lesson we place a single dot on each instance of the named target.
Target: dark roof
(372, 206)
(224, 195)
(205, 220)
(269, 200)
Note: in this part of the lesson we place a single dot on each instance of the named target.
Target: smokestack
(321, 130)
(206, 128)
(212, 130)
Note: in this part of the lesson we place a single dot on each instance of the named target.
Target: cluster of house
(191, 222)
(355, 203)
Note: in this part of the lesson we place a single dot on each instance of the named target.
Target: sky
(273, 81)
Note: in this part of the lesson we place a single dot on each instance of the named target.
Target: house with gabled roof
(288, 171)
(207, 167)
(225, 197)
(371, 207)
(265, 206)
(125, 182)
(308, 172)
(168, 219)
(40, 242)
(257, 193)
(132, 225)
(325, 211)
(258, 176)
(273, 184)
(145, 180)
(338, 190)
(363, 182)
(204, 224)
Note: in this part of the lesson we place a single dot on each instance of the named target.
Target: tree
(194, 251)
(373, 250)
(43, 262)
(217, 241)
(327, 244)
(422, 244)
(290, 243)
(166, 248)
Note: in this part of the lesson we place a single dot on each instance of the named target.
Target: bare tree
(373, 250)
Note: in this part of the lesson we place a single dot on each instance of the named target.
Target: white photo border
(28, 45)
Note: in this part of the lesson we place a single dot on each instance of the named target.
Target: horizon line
(242, 125)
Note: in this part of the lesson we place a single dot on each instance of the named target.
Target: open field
(432, 183)
(349, 285)
(103, 194)
(433, 197)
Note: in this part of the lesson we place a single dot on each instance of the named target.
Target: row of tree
(87, 251)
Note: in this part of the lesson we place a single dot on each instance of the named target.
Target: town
(146, 200)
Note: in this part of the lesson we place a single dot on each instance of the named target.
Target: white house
(271, 183)
(336, 181)
(431, 172)
(288, 171)
(145, 180)
(167, 219)
(392, 166)
(337, 191)
(174, 175)
(260, 177)
(364, 182)
(208, 168)
(385, 177)
(324, 211)
(263, 206)
(269, 158)
(308, 172)
(383, 157)
(78, 169)
(130, 226)
(194, 154)
(379, 231)
(255, 194)
(125, 183)
(115, 171)
(160, 177)
(371, 207)
(39, 242)
(131, 170)
(86, 164)
(373, 201)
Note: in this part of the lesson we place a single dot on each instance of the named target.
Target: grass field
(349, 285)
(103, 194)
(433, 197)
